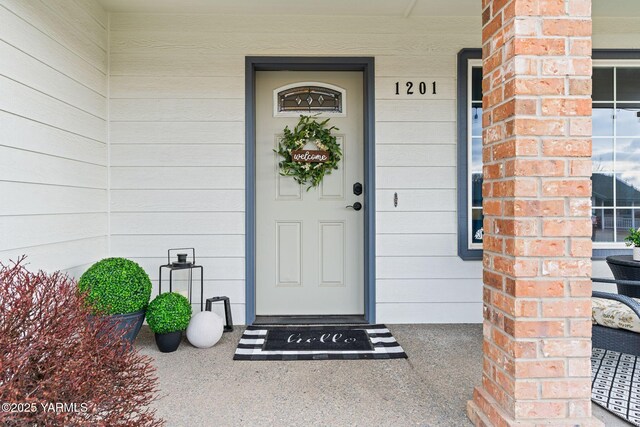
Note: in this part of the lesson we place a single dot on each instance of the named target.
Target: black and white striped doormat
(616, 383)
(318, 343)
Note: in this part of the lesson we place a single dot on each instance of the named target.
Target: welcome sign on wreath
(309, 166)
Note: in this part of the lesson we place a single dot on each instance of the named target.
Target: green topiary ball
(169, 312)
(116, 286)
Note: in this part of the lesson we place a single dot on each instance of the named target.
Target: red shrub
(59, 365)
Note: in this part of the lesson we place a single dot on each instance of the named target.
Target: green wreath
(308, 129)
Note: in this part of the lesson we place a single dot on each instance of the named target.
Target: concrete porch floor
(205, 387)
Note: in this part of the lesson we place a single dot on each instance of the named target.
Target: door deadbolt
(357, 189)
(356, 206)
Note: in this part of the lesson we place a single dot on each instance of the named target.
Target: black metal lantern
(183, 263)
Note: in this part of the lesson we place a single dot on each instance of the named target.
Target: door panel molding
(268, 63)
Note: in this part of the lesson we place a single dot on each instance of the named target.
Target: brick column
(537, 207)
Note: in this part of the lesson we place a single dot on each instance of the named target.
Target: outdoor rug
(616, 383)
(318, 343)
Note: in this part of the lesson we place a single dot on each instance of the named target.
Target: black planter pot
(168, 342)
(131, 322)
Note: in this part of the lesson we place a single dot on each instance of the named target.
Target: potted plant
(119, 288)
(168, 315)
(633, 239)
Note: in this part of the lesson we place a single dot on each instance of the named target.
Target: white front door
(309, 244)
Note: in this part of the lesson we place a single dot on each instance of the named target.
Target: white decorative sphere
(205, 329)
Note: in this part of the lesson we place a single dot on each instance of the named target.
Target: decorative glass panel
(310, 99)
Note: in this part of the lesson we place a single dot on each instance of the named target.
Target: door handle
(356, 206)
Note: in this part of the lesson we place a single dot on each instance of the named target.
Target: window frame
(467, 59)
(613, 58)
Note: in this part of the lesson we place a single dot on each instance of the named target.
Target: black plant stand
(228, 327)
(190, 265)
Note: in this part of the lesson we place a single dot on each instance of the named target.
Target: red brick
(580, 288)
(526, 390)
(540, 409)
(535, 86)
(516, 227)
(568, 67)
(538, 328)
(566, 27)
(580, 86)
(566, 347)
(494, 25)
(580, 367)
(540, 368)
(571, 147)
(515, 147)
(580, 127)
(580, 167)
(567, 268)
(567, 188)
(581, 47)
(566, 227)
(492, 243)
(566, 107)
(538, 46)
(580, 207)
(580, 328)
(580, 8)
(566, 389)
(534, 288)
(535, 127)
(581, 248)
(492, 207)
(521, 167)
(567, 308)
(545, 208)
(535, 247)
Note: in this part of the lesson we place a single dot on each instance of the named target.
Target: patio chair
(620, 340)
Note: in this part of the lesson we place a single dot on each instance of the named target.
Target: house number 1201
(422, 88)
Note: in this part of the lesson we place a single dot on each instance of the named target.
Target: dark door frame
(304, 63)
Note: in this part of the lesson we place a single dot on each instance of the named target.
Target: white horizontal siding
(416, 133)
(410, 245)
(176, 178)
(177, 201)
(29, 135)
(215, 268)
(71, 256)
(428, 290)
(53, 134)
(212, 246)
(177, 223)
(412, 200)
(67, 32)
(177, 132)
(50, 199)
(28, 37)
(431, 177)
(450, 312)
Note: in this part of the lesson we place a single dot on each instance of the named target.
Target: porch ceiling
(622, 8)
